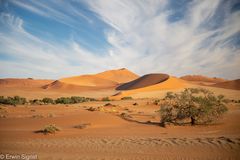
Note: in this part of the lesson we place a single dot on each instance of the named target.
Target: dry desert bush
(193, 105)
(49, 129)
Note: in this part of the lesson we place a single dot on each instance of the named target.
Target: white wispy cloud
(154, 44)
(141, 37)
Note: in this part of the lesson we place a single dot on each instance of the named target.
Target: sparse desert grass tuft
(135, 104)
(49, 129)
(125, 115)
(82, 126)
(126, 98)
(92, 109)
(38, 116)
(105, 99)
(51, 115)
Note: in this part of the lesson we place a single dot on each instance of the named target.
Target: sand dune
(200, 78)
(88, 80)
(65, 86)
(104, 79)
(144, 81)
(17, 82)
(120, 76)
(172, 83)
(235, 84)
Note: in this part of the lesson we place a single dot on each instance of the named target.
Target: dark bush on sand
(72, 100)
(16, 100)
(126, 98)
(48, 100)
(193, 105)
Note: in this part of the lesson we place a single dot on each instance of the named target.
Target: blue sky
(59, 38)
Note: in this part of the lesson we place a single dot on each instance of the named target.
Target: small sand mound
(144, 81)
(200, 78)
(235, 84)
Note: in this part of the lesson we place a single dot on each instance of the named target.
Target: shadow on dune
(144, 81)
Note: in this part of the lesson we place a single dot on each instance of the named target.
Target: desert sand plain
(108, 135)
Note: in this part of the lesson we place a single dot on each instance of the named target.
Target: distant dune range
(234, 84)
(19, 82)
(200, 78)
(112, 83)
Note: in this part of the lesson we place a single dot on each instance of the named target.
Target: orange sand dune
(200, 78)
(120, 76)
(235, 84)
(61, 86)
(57, 85)
(144, 81)
(104, 79)
(171, 83)
(17, 82)
(88, 80)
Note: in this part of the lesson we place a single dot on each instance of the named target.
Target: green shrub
(64, 100)
(76, 99)
(126, 98)
(196, 106)
(2, 100)
(73, 100)
(33, 101)
(105, 99)
(48, 100)
(16, 100)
